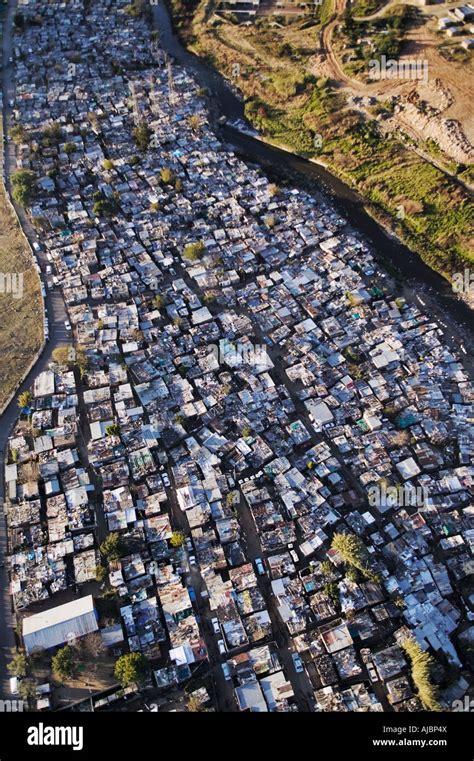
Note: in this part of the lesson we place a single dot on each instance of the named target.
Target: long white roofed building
(59, 625)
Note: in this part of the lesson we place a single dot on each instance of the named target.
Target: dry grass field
(21, 329)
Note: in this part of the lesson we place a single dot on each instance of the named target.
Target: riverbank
(431, 212)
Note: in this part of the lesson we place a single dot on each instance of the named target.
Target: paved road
(57, 314)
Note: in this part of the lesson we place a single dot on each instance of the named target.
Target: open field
(302, 96)
(21, 329)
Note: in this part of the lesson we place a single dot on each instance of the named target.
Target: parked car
(215, 625)
(226, 671)
(221, 646)
(372, 672)
(298, 663)
(165, 479)
(192, 560)
(259, 566)
(67, 324)
(192, 594)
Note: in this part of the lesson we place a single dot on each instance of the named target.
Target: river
(433, 293)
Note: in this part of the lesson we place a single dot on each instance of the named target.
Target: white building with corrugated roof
(59, 625)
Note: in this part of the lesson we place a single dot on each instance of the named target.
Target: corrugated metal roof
(60, 624)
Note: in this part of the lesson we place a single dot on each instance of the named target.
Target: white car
(221, 646)
(165, 479)
(192, 560)
(67, 324)
(215, 625)
(372, 672)
(226, 671)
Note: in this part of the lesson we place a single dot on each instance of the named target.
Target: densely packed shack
(246, 389)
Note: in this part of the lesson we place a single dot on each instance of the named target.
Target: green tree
(108, 164)
(194, 121)
(24, 399)
(332, 591)
(112, 548)
(63, 664)
(130, 669)
(142, 135)
(17, 134)
(421, 663)
(70, 148)
(18, 665)
(246, 431)
(100, 573)
(177, 539)
(23, 186)
(105, 207)
(158, 301)
(167, 175)
(326, 568)
(27, 689)
(194, 251)
(113, 429)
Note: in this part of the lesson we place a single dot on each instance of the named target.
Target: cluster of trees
(168, 177)
(24, 186)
